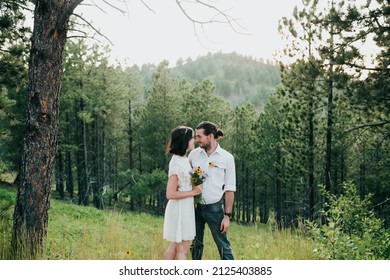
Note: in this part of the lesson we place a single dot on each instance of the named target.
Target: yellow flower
(128, 254)
(198, 170)
(197, 178)
(211, 164)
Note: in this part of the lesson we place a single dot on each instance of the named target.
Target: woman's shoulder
(177, 159)
(173, 160)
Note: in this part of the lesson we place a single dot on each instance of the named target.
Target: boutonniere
(212, 164)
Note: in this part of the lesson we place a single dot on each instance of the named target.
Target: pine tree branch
(364, 126)
(365, 68)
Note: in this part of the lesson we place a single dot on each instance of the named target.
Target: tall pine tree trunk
(84, 198)
(328, 155)
(310, 162)
(247, 199)
(41, 129)
(131, 138)
(278, 187)
(68, 160)
(69, 175)
(99, 172)
(254, 215)
(95, 159)
(60, 175)
(329, 124)
(362, 173)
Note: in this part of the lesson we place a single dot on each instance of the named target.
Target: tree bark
(41, 128)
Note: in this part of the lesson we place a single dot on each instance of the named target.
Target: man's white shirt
(220, 172)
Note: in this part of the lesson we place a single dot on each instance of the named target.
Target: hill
(237, 78)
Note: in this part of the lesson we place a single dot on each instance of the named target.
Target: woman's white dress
(179, 220)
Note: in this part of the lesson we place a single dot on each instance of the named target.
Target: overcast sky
(161, 30)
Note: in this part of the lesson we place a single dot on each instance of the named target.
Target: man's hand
(225, 224)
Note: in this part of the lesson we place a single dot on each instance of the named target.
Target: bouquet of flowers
(197, 178)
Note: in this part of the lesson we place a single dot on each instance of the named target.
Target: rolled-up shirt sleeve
(230, 176)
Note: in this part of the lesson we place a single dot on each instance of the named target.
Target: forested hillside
(237, 78)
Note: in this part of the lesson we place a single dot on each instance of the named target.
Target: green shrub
(351, 230)
(7, 201)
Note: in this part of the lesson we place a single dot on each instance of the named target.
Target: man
(219, 166)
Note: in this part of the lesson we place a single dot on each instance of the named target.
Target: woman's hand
(197, 189)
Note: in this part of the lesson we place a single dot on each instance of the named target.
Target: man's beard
(205, 147)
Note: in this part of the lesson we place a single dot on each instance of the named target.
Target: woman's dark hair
(180, 137)
(210, 128)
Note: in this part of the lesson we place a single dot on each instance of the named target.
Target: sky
(155, 30)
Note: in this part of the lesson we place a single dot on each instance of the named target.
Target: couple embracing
(184, 222)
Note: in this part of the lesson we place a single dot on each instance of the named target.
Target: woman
(179, 220)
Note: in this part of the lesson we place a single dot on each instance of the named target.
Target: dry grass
(85, 233)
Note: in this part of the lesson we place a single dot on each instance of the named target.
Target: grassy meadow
(85, 233)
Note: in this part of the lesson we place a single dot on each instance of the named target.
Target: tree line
(326, 123)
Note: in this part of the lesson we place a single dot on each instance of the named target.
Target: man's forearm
(229, 200)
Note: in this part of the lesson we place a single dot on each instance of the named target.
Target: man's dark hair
(210, 128)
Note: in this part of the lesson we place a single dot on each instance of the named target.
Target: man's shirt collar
(216, 151)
